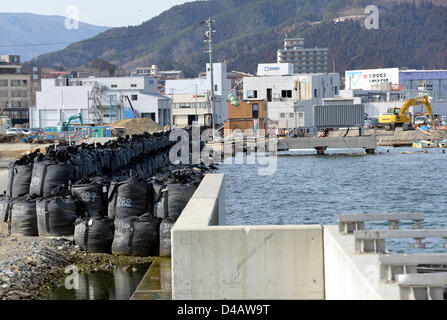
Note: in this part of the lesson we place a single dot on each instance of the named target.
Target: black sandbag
(178, 197)
(47, 175)
(137, 236)
(19, 180)
(165, 237)
(92, 197)
(56, 216)
(95, 235)
(130, 198)
(22, 218)
(4, 203)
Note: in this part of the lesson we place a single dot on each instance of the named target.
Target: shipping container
(339, 116)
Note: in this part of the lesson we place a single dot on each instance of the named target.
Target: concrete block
(248, 263)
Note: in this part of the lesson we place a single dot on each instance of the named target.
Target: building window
(336, 90)
(134, 97)
(216, 88)
(114, 86)
(282, 115)
(3, 83)
(133, 85)
(252, 94)
(286, 93)
(316, 93)
(255, 111)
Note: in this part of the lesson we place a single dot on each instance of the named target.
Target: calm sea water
(308, 189)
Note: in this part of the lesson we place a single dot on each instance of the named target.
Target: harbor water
(310, 189)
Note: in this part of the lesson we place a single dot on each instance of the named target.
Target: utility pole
(209, 40)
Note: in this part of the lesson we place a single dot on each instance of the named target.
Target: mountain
(19, 30)
(411, 34)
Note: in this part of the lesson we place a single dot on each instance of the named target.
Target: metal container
(339, 116)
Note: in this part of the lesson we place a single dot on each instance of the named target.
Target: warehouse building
(99, 100)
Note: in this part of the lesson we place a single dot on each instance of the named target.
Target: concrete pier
(369, 143)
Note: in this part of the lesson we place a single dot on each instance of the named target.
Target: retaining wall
(211, 261)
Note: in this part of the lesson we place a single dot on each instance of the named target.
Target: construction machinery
(66, 125)
(131, 106)
(400, 117)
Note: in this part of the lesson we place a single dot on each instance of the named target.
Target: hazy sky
(111, 13)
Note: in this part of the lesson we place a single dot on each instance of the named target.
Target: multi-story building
(99, 100)
(304, 60)
(15, 90)
(192, 97)
(290, 98)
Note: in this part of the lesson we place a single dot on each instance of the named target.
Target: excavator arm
(417, 102)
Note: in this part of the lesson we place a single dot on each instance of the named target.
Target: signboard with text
(368, 79)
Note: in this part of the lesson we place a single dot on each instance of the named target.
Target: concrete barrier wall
(263, 262)
(352, 276)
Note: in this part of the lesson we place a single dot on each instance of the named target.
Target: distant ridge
(20, 29)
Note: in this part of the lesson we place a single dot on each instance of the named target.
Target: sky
(110, 13)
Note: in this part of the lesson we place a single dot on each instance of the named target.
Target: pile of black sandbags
(122, 197)
(173, 191)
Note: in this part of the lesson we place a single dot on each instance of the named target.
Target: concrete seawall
(263, 262)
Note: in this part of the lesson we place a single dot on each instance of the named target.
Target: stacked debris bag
(92, 196)
(95, 235)
(4, 203)
(56, 215)
(137, 236)
(133, 197)
(22, 217)
(172, 194)
(19, 176)
(165, 237)
(50, 171)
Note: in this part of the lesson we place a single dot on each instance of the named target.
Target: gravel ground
(31, 267)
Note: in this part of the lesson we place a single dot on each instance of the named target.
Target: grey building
(15, 90)
(304, 60)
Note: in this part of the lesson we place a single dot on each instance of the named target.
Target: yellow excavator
(400, 117)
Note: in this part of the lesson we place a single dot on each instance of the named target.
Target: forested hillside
(251, 31)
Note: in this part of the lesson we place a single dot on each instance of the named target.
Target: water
(103, 285)
(308, 189)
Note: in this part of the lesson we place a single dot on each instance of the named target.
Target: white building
(290, 99)
(184, 92)
(99, 100)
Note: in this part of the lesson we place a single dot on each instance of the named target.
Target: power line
(95, 39)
